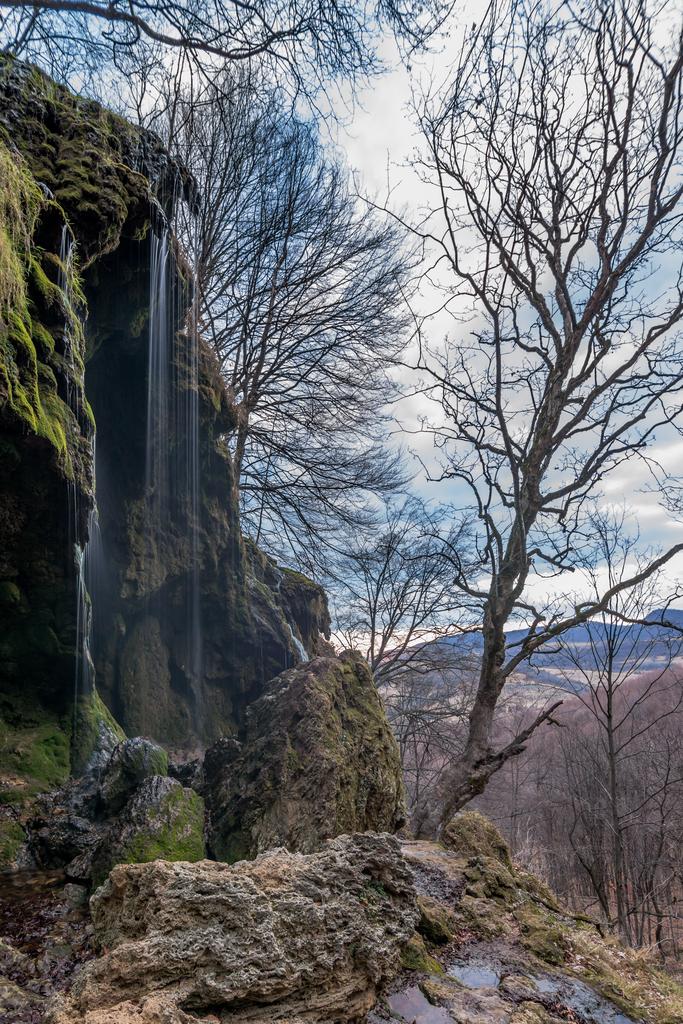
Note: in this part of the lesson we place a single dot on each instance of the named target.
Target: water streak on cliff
(172, 444)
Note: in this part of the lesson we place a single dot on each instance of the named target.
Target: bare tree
(555, 155)
(393, 601)
(394, 592)
(300, 290)
(621, 642)
(305, 43)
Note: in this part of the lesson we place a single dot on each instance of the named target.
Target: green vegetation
(91, 719)
(34, 751)
(11, 840)
(176, 831)
(20, 203)
(415, 957)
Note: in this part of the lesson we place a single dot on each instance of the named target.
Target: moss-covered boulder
(130, 764)
(470, 834)
(318, 760)
(161, 821)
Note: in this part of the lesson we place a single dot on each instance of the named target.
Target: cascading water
(191, 434)
(300, 649)
(158, 397)
(172, 452)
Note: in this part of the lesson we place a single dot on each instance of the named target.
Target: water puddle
(411, 1005)
(554, 991)
(475, 975)
(581, 999)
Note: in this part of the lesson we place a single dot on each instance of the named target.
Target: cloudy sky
(377, 138)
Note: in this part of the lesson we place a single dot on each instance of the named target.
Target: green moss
(82, 152)
(176, 831)
(10, 595)
(28, 387)
(42, 339)
(11, 840)
(469, 834)
(414, 957)
(437, 922)
(20, 203)
(542, 935)
(92, 717)
(34, 752)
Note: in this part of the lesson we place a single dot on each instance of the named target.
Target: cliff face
(184, 630)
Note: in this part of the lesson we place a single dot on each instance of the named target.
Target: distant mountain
(643, 647)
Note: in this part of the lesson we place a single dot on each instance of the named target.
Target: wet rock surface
(318, 760)
(127, 812)
(130, 764)
(286, 937)
(45, 936)
(494, 947)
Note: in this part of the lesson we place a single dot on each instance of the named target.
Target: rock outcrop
(318, 760)
(130, 812)
(187, 624)
(286, 937)
(494, 946)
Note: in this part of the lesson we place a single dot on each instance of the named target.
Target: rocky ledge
(282, 938)
(493, 946)
(368, 930)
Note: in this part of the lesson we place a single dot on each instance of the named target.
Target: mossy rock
(542, 935)
(318, 760)
(414, 957)
(469, 835)
(131, 762)
(162, 821)
(95, 734)
(12, 839)
(438, 923)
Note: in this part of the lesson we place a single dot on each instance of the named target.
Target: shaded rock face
(46, 426)
(318, 759)
(131, 812)
(131, 763)
(286, 937)
(74, 358)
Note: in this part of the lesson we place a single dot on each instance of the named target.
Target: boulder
(161, 820)
(131, 763)
(318, 760)
(470, 834)
(287, 937)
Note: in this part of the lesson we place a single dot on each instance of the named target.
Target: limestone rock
(470, 834)
(318, 760)
(161, 820)
(495, 947)
(131, 763)
(110, 181)
(286, 937)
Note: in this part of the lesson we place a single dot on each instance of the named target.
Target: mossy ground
(499, 911)
(34, 750)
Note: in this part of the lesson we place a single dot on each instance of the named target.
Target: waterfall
(300, 649)
(192, 462)
(158, 396)
(172, 444)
